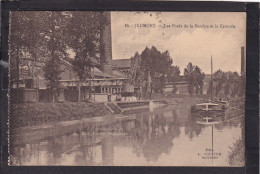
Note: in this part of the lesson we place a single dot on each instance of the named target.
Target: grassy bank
(237, 151)
(32, 114)
(237, 154)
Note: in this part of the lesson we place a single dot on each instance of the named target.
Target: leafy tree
(38, 35)
(52, 26)
(189, 76)
(150, 68)
(220, 78)
(199, 77)
(136, 74)
(49, 35)
(234, 81)
(52, 74)
(230, 82)
(85, 41)
(173, 74)
(194, 76)
(158, 83)
(22, 41)
(155, 64)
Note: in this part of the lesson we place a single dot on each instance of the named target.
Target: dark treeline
(194, 77)
(229, 83)
(51, 36)
(152, 69)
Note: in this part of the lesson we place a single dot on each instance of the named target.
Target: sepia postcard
(118, 88)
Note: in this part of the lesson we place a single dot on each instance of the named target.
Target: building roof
(68, 67)
(97, 72)
(121, 63)
(118, 74)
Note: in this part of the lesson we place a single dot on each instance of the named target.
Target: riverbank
(36, 114)
(33, 114)
(237, 151)
(237, 154)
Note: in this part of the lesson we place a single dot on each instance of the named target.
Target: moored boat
(207, 109)
(209, 120)
(224, 103)
(212, 107)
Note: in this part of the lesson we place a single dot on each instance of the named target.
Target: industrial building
(105, 84)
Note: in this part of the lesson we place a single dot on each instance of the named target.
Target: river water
(167, 136)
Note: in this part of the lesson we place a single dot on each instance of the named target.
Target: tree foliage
(150, 68)
(136, 75)
(85, 40)
(174, 74)
(54, 36)
(230, 83)
(194, 76)
(22, 38)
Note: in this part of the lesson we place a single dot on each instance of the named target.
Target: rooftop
(121, 63)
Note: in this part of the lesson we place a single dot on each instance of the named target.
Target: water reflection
(161, 137)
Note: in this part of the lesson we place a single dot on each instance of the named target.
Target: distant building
(123, 65)
(181, 86)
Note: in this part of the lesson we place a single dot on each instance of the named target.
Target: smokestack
(106, 44)
(243, 62)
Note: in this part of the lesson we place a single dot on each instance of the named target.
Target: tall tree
(150, 68)
(52, 26)
(220, 78)
(22, 41)
(234, 81)
(174, 76)
(38, 35)
(229, 82)
(199, 77)
(194, 76)
(189, 76)
(85, 41)
(136, 74)
(155, 64)
(174, 73)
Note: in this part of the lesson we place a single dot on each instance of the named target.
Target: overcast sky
(184, 44)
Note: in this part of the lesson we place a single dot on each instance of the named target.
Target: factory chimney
(106, 44)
